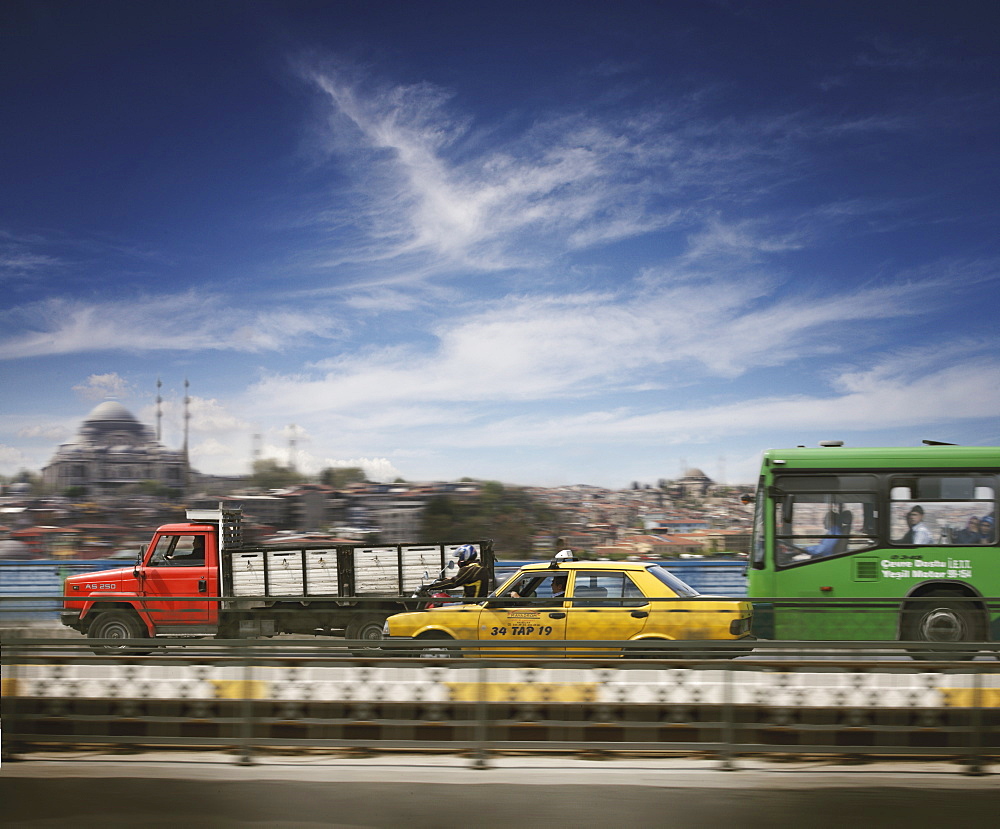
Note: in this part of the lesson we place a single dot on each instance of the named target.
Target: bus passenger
(918, 532)
(970, 535)
(986, 529)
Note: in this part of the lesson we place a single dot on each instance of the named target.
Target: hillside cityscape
(103, 493)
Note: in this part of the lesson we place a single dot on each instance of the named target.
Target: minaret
(159, 411)
(291, 446)
(187, 421)
(255, 451)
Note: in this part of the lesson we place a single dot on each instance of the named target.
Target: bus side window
(870, 524)
(951, 510)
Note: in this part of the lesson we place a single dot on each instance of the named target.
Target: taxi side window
(532, 591)
(633, 595)
(606, 590)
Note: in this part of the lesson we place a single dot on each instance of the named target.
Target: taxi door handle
(639, 614)
(557, 615)
(202, 585)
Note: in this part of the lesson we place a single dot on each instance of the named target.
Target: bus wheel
(938, 618)
(117, 624)
(367, 629)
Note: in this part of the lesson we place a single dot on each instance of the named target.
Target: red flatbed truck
(186, 583)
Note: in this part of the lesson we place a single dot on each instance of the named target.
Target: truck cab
(167, 590)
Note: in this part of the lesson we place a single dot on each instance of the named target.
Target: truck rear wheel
(117, 624)
(367, 628)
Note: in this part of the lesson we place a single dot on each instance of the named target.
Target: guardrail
(844, 699)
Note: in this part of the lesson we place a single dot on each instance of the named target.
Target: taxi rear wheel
(436, 646)
(647, 649)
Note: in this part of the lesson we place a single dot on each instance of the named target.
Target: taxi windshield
(683, 590)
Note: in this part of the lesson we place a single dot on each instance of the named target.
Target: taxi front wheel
(437, 646)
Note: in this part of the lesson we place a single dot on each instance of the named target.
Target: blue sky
(542, 243)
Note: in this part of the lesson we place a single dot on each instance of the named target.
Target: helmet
(466, 554)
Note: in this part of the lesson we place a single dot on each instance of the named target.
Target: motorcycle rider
(471, 576)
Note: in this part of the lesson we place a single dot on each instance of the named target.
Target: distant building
(694, 482)
(674, 525)
(113, 452)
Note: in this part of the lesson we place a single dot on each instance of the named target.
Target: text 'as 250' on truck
(198, 579)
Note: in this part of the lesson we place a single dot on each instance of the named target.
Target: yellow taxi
(570, 604)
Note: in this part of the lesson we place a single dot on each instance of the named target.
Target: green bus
(838, 529)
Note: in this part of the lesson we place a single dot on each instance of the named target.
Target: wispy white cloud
(12, 458)
(18, 260)
(551, 347)
(883, 396)
(182, 322)
(570, 181)
(100, 386)
(44, 431)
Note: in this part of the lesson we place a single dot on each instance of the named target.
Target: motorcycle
(425, 594)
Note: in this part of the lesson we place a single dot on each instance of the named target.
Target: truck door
(181, 573)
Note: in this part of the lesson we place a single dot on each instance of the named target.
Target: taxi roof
(589, 565)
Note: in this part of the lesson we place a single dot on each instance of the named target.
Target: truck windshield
(682, 589)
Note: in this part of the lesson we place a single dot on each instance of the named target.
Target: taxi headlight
(385, 628)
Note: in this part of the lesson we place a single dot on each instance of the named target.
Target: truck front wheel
(115, 625)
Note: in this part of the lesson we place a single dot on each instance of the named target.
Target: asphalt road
(167, 789)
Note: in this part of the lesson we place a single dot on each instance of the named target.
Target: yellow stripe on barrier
(241, 688)
(971, 697)
(8, 687)
(518, 692)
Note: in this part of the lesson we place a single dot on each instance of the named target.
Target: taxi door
(532, 609)
(605, 606)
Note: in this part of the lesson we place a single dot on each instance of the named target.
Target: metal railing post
(246, 705)
(11, 700)
(726, 762)
(480, 754)
(975, 763)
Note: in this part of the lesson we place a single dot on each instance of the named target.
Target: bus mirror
(786, 509)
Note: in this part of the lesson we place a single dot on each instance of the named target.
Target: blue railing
(722, 578)
(43, 578)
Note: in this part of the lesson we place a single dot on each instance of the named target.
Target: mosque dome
(110, 410)
(113, 450)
